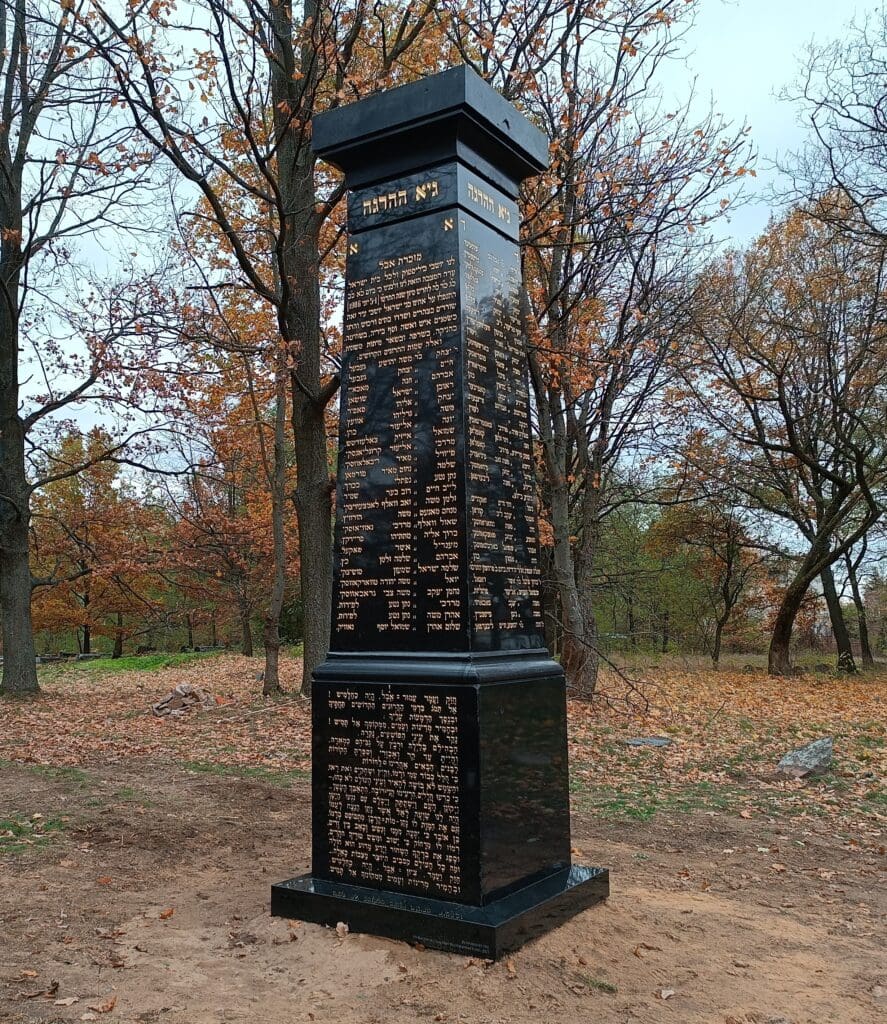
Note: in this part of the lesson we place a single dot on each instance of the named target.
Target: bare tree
(840, 91)
(609, 248)
(854, 560)
(259, 70)
(714, 528)
(787, 383)
(66, 171)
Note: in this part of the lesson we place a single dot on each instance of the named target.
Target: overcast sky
(743, 53)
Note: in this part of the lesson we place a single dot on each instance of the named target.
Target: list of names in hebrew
(505, 580)
(400, 561)
(393, 807)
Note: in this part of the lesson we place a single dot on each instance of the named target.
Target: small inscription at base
(393, 789)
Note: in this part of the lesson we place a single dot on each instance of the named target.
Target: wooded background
(709, 423)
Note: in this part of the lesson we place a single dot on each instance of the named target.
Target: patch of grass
(599, 984)
(18, 834)
(636, 803)
(75, 776)
(259, 772)
(870, 741)
(877, 797)
(139, 662)
(642, 802)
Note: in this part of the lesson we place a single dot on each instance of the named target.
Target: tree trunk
(84, 637)
(550, 603)
(631, 624)
(118, 637)
(190, 626)
(779, 656)
(666, 625)
(839, 623)
(313, 501)
(246, 629)
(19, 656)
(716, 647)
(213, 632)
(865, 646)
(579, 658)
(278, 501)
(294, 79)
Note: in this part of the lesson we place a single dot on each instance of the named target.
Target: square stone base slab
(489, 931)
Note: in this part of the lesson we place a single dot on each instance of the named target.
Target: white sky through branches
(743, 53)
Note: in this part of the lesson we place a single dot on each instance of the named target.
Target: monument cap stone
(453, 115)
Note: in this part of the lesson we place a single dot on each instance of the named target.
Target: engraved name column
(392, 808)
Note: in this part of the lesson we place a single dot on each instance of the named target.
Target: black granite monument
(441, 812)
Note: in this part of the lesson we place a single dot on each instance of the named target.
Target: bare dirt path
(145, 897)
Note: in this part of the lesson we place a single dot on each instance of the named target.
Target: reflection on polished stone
(440, 778)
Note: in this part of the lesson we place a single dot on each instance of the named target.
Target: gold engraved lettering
(427, 190)
(385, 201)
(504, 579)
(379, 814)
(400, 317)
(483, 199)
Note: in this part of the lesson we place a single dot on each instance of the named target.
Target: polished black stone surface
(489, 931)
(453, 115)
(456, 792)
(440, 777)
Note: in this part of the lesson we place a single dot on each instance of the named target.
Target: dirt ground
(140, 893)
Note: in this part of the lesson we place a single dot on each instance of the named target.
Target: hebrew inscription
(401, 563)
(393, 784)
(505, 581)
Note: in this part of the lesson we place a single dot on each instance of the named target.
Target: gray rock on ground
(812, 759)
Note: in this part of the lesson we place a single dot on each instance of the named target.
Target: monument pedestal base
(487, 931)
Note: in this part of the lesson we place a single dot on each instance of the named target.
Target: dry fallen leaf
(89, 1016)
(778, 867)
(67, 1001)
(745, 813)
(45, 993)
(512, 970)
(665, 993)
(28, 974)
(641, 946)
(341, 929)
(106, 1007)
(165, 915)
(105, 880)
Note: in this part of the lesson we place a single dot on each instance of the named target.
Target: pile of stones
(178, 702)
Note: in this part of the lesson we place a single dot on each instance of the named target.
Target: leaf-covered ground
(727, 731)
(136, 855)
